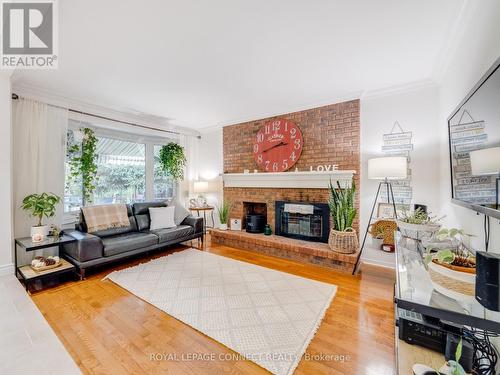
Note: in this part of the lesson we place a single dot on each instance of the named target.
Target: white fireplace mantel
(292, 180)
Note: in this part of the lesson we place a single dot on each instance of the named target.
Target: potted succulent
(39, 206)
(417, 224)
(343, 238)
(223, 211)
(452, 269)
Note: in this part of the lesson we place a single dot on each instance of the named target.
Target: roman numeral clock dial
(278, 145)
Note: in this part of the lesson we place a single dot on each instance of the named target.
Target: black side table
(26, 273)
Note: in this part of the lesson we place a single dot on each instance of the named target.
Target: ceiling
(211, 63)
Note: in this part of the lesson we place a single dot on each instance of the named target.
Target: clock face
(278, 145)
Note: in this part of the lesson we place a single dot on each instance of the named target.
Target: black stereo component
(414, 328)
(255, 223)
(488, 280)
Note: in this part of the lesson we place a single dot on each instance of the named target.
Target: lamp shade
(485, 161)
(392, 167)
(200, 186)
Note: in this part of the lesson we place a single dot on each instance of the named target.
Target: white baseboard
(378, 263)
(6, 269)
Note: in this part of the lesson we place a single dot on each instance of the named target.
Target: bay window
(128, 170)
(121, 172)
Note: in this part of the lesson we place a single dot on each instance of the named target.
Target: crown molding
(263, 115)
(117, 114)
(361, 95)
(399, 89)
(210, 129)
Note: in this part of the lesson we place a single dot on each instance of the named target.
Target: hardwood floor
(107, 330)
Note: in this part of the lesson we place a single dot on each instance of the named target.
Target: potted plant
(343, 238)
(223, 211)
(377, 233)
(451, 367)
(40, 205)
(172, 160)
(452, 269)
(83, 162)
(418, 224)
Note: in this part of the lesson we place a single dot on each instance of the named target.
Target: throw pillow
(180, 212)
(162, 217)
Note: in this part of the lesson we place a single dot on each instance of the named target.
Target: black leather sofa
(110, 245)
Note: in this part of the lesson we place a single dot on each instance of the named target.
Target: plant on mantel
(83, 163)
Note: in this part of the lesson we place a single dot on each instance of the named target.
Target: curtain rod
(15, 97)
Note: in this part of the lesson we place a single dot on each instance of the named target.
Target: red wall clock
(277, 146)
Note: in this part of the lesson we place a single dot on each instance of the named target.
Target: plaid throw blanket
(105, 217)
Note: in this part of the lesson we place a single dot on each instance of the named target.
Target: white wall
(5, 175)
(210, 166)
(477, 48)
(424, 112)
(417, 112)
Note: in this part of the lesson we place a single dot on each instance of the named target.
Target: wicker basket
(452, 281)
(387, 227)
(343, 242)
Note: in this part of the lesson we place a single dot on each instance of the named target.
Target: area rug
(267, 316)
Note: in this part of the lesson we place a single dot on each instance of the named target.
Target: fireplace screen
(306, 221)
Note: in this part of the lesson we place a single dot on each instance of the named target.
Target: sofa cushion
(180, 212)
(172, 234)
(141, 213)
(126, 242)
(161, 217)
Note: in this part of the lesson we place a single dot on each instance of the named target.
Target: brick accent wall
(331, 136)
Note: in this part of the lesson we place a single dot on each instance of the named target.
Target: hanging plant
(83, 163)
(173, 160)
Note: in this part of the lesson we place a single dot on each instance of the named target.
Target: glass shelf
(415, 292)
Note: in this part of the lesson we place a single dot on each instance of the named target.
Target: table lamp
(486, 162)
(201, 187)
(384, 169)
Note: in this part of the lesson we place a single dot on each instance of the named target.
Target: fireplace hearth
(302, 220)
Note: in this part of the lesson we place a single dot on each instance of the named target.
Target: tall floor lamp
(384, 169)
(486, 162)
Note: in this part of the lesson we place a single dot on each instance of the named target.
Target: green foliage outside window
(120, 181)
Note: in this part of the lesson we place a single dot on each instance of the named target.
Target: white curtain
(191, 146)
(39, 154)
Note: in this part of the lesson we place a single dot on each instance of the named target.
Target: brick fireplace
(331, 136)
